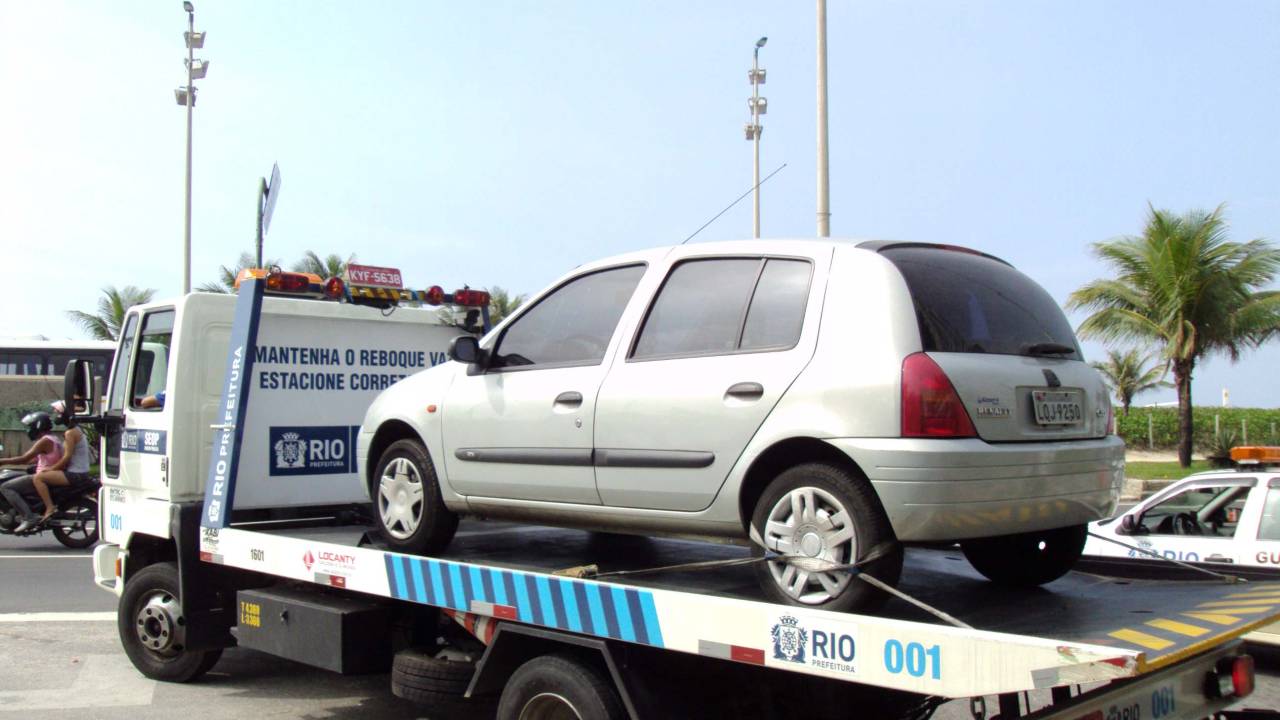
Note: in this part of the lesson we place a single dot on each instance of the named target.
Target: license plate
(1057, 407)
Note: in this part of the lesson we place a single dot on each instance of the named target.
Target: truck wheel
(81, 528)
(153, 628)
(406, 497)
(826, 515)
(436, 682)
(559, 687)
(1027, 559)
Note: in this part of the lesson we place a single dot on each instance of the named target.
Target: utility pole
(196, 70)
(824, 174)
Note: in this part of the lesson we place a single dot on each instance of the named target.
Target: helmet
(38, 424)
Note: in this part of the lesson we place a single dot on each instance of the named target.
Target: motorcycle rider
(71, 467)
(46, 451)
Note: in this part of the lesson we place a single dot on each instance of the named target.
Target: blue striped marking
(579, 606)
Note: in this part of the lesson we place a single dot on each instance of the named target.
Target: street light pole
(196, 70)
(824, 174)
(191, 101)
(759, 106)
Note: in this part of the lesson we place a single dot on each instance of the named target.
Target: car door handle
(1219, 559)
(745, 391)
(569, 399)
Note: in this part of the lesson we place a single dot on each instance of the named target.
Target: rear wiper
(1049, 348)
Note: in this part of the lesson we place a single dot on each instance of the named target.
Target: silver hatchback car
(826, 401)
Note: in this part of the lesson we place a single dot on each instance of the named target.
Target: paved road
(69, 665)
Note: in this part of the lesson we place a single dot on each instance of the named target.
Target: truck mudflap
(909, 655)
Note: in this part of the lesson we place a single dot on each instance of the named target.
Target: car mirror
(1128, 524)
(466, 349)
(79, 396)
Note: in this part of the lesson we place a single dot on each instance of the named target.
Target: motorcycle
(75, 524)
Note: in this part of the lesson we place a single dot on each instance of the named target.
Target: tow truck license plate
(1057, 407)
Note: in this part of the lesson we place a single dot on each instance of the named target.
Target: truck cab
(311, 385)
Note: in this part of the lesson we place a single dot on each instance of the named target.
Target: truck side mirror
(79, 396)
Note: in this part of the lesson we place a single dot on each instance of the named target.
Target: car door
(720, 343)
(522, 428)
(1261, 539)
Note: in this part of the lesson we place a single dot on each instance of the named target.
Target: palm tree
(331, 266)
(1127, 374)
(502, 304)
(112, 307)
(1185, 287)
(226, 282)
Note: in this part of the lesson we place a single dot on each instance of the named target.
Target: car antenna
(735, 202)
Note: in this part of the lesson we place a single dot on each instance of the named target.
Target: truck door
(1199, 523)
(143, 457)
(116, 396)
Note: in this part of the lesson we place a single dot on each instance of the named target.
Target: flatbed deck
(1081, 628)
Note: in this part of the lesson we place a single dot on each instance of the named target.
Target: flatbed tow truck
(536, 622)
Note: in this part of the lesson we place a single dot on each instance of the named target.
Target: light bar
(1256, 455)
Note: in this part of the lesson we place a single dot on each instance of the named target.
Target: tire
(557, 686)
(84, 532)
(163, 657)
(841, 521)
(407, 505)
(1021, 561)
(437, 683)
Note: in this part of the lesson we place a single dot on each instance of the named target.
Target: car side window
(1209, 511)
(1269, 526)
(726, 305)
(572, 325)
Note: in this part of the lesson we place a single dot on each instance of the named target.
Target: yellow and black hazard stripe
(1167, 640)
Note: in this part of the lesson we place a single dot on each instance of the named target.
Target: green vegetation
(1183, 287)
(1164, 426)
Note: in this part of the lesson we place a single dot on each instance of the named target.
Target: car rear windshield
(970, 303)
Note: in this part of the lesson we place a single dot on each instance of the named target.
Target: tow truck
(532, 622)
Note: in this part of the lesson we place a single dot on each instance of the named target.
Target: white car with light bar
(827, 401)
(1226, 521)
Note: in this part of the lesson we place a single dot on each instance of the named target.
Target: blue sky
(504, 143)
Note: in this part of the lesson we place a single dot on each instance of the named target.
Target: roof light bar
(1256, 455)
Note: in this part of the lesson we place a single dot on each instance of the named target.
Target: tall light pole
(759, 106)
(186, 95)
(824, 174)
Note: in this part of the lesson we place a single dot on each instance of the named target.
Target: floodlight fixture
(759, 43)
(198, 68)
(195, 40)
(186, 5)
(180, 94)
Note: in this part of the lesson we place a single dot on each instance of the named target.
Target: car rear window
(970, 303)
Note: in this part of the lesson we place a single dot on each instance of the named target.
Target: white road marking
(103, 681)
(41, 557)
(57, 617)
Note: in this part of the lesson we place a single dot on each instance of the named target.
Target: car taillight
(1231, 677)
(930, 405)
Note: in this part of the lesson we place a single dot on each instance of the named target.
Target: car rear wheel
(1027, 559)
(410, 512)
(821, 516)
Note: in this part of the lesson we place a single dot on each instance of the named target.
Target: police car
(1225, 520)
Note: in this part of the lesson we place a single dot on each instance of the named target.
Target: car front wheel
(821, 516)
(1027, 559)
(407, 503)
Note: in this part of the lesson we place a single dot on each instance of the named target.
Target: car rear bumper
(940, 490)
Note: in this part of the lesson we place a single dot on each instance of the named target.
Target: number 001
(914, 658)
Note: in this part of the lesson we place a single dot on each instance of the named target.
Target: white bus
(25, 357)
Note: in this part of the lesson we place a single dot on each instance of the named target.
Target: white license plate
(1057, 407)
